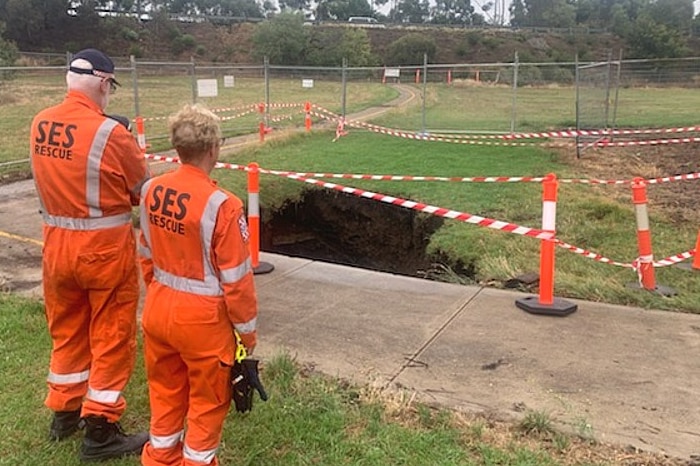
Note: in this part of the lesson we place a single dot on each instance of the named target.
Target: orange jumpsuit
(196, 263)
(88, 172)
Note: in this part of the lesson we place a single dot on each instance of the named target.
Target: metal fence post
(266, 66)
(578, 110)
(194, 80)
(425, 86)
(344, 81)
(514, 105)
(135, 81)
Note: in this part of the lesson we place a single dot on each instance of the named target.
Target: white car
(366, 21)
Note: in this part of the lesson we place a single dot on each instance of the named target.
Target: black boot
(64, 424)
(105, 440)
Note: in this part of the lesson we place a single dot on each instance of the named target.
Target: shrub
(182, 43)
(409, 50)
(130, 34)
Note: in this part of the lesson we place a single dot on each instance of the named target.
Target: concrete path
(629, 376)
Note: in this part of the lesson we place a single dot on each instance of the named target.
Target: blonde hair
(194, 130)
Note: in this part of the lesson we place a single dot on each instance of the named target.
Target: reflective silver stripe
(210, 285)
(206, 225)
(92, 181)
(144, 218)
(204, 456)
(84, 224)
(254, 204)
(75, 377)
(144, 251)
(166, 441)
(234, 274)
(247, 327)
(103, 396)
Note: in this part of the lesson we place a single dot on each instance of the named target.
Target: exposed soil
(677, 199)
(344, 229)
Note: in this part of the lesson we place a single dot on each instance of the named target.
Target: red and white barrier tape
(643, 142)
(469, 139)
(234, 109)
(165, 158)
(275, 119)
(285, 105)
(233, 117)
(442, 212)
(480, 179)
(601, 132)
(426, 208)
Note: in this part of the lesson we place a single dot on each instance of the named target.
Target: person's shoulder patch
(243, 226)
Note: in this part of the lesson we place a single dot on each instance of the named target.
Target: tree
(328, 47)
(28, 20)
(8, 49)
(452, 12)
(294, 5)
(411, 11)
(283, 39)
(651, 39)
(675, 14)
(542, 13)
(344, 9)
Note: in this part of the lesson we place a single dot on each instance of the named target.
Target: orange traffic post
(307, 118)
(645, 261)
(696, 259)
(546, 303)
(695, 265)
(262, 131)
(254, 220)
(141, 134)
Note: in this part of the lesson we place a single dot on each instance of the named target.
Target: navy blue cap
(99, 64)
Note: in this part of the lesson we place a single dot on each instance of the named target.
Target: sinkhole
(340, 228)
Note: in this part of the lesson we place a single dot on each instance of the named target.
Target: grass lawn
(309, 419)
(600, 219)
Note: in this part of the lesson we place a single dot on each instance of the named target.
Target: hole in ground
(335, 227)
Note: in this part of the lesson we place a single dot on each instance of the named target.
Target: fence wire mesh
(456, 98)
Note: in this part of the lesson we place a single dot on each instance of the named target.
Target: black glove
(245, 378)
(124, 121)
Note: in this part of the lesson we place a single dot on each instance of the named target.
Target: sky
(476, 3)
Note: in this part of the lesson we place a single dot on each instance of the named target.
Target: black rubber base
(559, 308)
(687, 266)
(660, 289)
(263, 267)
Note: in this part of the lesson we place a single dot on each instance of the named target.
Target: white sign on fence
(307, 83)
(392, 72)
(207, 88)
(228, 81)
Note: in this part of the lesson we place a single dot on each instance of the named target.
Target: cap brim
(99, 74)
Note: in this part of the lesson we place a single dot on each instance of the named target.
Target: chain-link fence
(458, 98)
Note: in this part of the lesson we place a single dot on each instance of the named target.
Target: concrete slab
(353, 323)
(618, 373)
